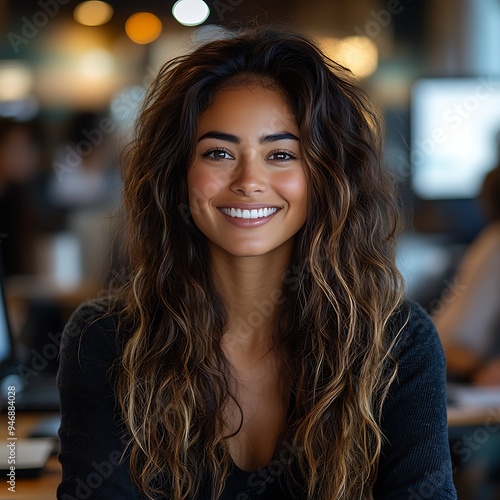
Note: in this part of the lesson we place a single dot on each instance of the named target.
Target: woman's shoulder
(90, 310)
(412, 329)
(95, 315)
(92, 332)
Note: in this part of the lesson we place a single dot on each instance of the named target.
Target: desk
(40, 488)
(473, 405)
(474, 436)
(44, 487)
(470, 416)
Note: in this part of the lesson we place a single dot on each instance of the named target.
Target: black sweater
(415, 462)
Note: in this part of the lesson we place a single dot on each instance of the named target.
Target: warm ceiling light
(16, 81)
(190, 12)
(143, 27)
(95, 65)
(93, 13)
(358, 53)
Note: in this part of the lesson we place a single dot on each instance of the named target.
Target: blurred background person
(86, 190)
(469, 322)
(21, 204)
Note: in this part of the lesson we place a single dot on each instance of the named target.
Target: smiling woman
(260, 346)
(250, 167)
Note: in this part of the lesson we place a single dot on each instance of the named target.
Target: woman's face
(247, 183)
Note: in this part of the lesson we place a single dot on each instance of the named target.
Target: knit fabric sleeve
(415, 462)
(90, 431)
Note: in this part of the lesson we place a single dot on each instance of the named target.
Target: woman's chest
(261, 409)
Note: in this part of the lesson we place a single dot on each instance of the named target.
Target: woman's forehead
(249, 106)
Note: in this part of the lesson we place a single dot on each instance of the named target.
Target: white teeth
(249, 214)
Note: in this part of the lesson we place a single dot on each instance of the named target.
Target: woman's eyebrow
(222, 136)
(213, 134)
(281, 136)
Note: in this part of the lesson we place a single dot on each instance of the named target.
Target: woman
(469, 322)
(261, 347)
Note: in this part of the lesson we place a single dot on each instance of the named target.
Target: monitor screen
(5, 341)
(455, 124)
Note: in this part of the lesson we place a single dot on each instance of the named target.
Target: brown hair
(340, 292)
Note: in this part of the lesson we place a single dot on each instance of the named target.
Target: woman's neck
(252, 290)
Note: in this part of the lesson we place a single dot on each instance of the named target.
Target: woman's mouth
(239, 213)
(247, 218)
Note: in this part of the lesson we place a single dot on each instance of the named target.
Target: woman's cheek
(204, 183)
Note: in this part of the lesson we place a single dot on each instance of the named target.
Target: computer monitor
(455, 123)
(7, 354)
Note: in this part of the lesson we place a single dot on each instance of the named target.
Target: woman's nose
(249, 178)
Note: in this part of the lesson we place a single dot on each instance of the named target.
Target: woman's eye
(217, 154)
(282, 156)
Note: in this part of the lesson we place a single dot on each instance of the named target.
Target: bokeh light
(358, 53)
(16, 80)
(93, 13)
(143, 27)
(95, 64)
(190, 12)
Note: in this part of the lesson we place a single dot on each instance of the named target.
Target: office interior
(73, 75)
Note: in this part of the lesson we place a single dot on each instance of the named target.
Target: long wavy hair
(340, 293)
